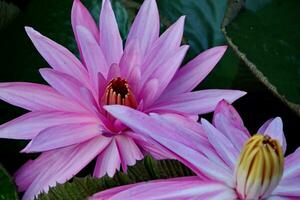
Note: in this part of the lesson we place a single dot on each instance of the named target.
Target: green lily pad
(268, 42)
(7, 187)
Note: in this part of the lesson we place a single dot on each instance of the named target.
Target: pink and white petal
(89, 101)
(263, 128)
(106, 194)
(227, 120)
(58, 57)
(150, 146)
(114, 71)
(185, 121)
(167, 69)
(275, 131)
(149, 91)
(80, 16)
(102, 83)
(222, 144)
(29, 125)
(149, 127)
(145, 27)
(110, 38)
(65, 84)
(279, 197)
(134, 80)
(190, 75)
(93, 106)
(62, 136)
(108, 162)
(92, 54)
(229, 112)
(176, 188)
(199, 102)
(128, 150)
(131, 58)
(288, 188)
(37, 97)
(291, 166)
(163, 49)
(32, 168)
(60, 166)
(196, 140)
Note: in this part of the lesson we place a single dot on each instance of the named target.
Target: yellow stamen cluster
(259, 168)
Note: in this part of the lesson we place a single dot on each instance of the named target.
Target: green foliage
(7, 188)
(267, 41)
(145, 170)
(8, 12)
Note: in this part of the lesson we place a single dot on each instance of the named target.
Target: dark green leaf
(203, 20)
(145, 170)
(256, 5)
(268, 42)
(7, 187)
(8, 12)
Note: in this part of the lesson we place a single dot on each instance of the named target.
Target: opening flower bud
(259, 168)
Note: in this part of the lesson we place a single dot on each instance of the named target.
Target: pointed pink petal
(164, 48)
(30, 124)
(58, 166)
(62, 136)
(275, 130)
(222, 144)
(80, 16)
(291, 165)
(166, 71)
(145, 27)
(199, 102)
(37, 97)
(288, 188)
(185, 121)
(101, 84)
(108, 161)
(114, 71)
(66, 85)
(176, 188)
(279, 197)
(134, 80)
(131, 58)
(129, 151)
(58, 57)
(92, 54)
(149, 145)
(149, 92)
(110, 39)
(197, 138)
(263, 128)
(149, 127)
(227, 120)
(190, 75)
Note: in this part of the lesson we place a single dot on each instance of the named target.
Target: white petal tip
(240, 93)
(204, 121)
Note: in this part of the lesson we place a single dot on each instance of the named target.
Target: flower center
(119, 92)
(259, 168)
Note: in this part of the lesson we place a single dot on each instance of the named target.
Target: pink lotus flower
(233, 165)
(67, 121)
